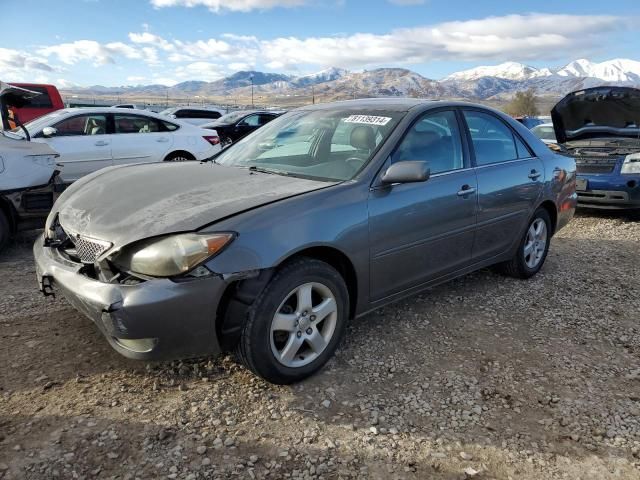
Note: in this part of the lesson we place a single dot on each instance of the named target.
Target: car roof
(393, 104)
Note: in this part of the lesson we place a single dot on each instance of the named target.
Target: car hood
(597, 112)
(125, 204)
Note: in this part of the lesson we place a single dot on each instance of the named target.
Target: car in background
(194, 115)
(126, 105)
(89, 139)
(28, 172)
(600, 128)
(235, 125)
(269, 250)
(48, 101)
(530, 122)
(545, 132)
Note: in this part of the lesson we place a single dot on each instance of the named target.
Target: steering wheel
(355, 162)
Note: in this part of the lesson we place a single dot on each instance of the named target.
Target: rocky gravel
(485, 377)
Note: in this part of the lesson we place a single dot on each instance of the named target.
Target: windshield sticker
(367, 120)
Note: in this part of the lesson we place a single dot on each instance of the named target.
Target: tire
(526, 264)
(5, 230)
(179, 157)
(287, 356)
(225, 141)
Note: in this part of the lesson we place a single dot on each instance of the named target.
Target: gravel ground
(484, 377)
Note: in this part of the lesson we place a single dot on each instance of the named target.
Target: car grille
(85, 249)
(595, 164)
(89, 249)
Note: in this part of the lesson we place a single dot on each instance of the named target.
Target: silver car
(322, 215)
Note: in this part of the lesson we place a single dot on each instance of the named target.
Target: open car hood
(596, 113)
(15, 96)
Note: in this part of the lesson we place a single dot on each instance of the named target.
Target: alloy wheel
(536, 243)
(303, 325)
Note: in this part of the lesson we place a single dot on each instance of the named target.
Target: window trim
(514, 134)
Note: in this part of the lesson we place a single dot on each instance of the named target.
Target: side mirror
(49, 132)
(407, 172)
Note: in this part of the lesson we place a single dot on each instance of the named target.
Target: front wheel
(296, 323)
(533, 248)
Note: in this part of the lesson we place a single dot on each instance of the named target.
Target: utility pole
(251, 78)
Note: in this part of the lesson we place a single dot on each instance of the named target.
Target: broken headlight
(172, 255)
(631, 165)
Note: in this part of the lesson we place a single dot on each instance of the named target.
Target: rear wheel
(533, 248)
(296, 323)
(179, 157)
(5, 230)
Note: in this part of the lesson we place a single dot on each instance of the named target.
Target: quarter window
(82, 125)
(434, 138)
(493, 141)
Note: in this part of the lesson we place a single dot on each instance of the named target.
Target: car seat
(95, 127)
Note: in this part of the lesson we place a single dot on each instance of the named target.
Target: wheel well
(239, 295)
(341, 263)
(7, 209)
(181, 152)
(550, 207)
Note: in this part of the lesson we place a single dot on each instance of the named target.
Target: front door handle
(162, 139)
(466, 190)
(534, 174)
(101, 143)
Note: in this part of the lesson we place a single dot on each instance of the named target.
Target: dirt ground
(485, 377)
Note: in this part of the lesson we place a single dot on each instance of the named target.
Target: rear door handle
(101, 143)
(466, 190)
(162, 139)
(534, 175)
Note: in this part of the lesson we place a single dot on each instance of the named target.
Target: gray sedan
(324, 214)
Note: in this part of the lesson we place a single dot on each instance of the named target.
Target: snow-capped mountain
(497, 82)
(617, 70)
(327, 75)
(507, 70)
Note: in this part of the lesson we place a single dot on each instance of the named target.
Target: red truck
(49, 100)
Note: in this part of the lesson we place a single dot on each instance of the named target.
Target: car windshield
(328, 145)
(40, 122)
(544, 132)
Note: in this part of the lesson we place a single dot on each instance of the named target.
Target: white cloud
(205, 71)
(514, 37)
(136, 79)
(232, 5)
(21, 66)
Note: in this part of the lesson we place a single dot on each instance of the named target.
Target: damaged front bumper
(157, 319)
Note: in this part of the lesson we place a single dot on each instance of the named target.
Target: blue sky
(120, 42)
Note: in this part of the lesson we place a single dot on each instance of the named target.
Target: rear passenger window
(493, 141)
(41, 101)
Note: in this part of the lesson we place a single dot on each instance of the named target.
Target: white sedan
(89, 139)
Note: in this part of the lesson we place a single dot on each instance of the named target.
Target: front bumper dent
(170, 320)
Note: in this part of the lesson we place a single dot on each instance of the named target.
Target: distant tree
(523, 104)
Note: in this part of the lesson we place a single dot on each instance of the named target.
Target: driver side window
(434, 138)
(82, 125)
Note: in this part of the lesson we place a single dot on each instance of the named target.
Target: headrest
(363, 138)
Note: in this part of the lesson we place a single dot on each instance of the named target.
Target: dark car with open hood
(600, 128)
(322, 215)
